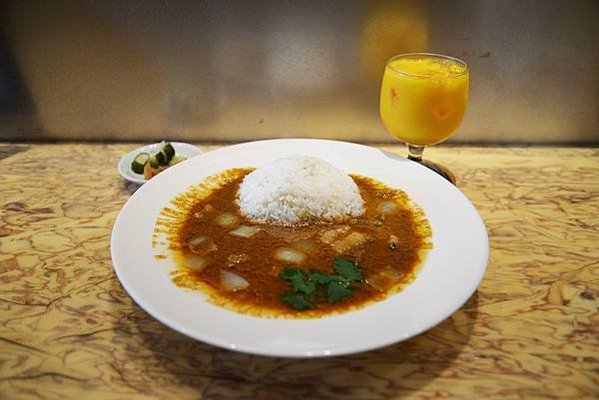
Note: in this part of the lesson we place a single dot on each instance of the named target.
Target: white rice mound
(297, 188)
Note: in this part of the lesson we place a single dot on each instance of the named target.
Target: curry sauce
(388, 242)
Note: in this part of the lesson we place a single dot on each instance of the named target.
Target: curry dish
(241, 264)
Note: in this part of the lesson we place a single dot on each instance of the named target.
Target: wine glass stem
(415, 152)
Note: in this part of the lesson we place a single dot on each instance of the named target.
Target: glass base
(415, 154)
(439, 169)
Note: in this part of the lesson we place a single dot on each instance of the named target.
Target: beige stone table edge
(69, 331)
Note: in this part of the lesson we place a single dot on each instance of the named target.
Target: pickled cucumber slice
(154, 162)
(165, 154)
(169, 151)
(161, 158)
(139, 162)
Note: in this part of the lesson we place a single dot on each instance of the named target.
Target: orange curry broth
(189, 218)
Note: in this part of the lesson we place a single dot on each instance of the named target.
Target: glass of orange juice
(423, 100)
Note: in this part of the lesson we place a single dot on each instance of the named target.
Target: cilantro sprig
(308, 289)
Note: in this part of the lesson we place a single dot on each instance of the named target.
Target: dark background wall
(240, 70)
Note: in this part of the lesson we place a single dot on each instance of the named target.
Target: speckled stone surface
(69, 331)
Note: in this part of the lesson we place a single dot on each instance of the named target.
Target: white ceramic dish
(124, 166)
(450, 275)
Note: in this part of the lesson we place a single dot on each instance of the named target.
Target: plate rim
(295, 354)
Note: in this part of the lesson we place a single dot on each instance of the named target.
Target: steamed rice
(299, 188)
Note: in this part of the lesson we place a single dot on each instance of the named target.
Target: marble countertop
(69, 331)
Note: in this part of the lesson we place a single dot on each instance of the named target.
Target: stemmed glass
(423, 100)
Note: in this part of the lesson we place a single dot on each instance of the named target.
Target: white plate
(181, 149)
(451, 273)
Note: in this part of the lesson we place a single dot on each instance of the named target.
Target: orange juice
(423, 98)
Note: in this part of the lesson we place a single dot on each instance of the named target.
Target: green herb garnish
(297, 301)
(315, 286)
(337, 290)
(347, 269)
(299, 281)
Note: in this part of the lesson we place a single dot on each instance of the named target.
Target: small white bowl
(181, 149)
